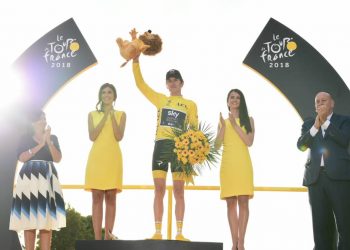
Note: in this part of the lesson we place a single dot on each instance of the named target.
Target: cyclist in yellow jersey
(174, 111)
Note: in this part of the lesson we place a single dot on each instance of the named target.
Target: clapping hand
(232, 119)
(222, 121)
(321, 117)
(317, 123)
(111, 113)
(47, 135)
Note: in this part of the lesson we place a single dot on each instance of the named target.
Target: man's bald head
(324, 103)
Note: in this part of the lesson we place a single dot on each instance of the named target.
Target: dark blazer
(334, 146)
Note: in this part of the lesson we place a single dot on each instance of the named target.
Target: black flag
(297, 69)
(52, 61)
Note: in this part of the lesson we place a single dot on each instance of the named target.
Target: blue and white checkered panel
(37, 199)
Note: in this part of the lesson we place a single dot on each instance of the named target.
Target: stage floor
(145, 245)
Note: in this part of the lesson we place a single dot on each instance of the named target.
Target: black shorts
(161, 162)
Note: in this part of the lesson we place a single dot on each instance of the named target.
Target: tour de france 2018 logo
(58, 52)
(276, 52)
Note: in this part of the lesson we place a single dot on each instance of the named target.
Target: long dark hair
(243, 111)
(99, 104)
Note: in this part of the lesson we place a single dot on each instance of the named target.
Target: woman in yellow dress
(104, 170)
(236, 133)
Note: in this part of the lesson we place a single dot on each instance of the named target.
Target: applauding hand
(47, 135)
(222, 121)
(232, 120)
(111, 113)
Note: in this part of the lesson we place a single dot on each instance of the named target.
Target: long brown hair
(99, 104)
(243, 111)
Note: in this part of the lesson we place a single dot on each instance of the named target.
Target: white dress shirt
(324, 126)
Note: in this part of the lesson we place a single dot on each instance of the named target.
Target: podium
(145, 245)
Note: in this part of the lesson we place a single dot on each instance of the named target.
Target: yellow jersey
(173, 112)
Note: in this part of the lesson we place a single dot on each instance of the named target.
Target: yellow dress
(236, 172)
(104, 168)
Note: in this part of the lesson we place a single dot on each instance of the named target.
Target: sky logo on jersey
(172, 118)
(173, 113)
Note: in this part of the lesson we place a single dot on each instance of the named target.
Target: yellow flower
(184, 153)
(200, 154)
(200, 135)
(191, 153)
(190, 133)
(186, 142)
(178, 144)
(194, 139)
(184, 160)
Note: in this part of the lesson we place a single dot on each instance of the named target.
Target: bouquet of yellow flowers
(192, 149)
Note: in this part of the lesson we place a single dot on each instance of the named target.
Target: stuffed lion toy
(148, 44)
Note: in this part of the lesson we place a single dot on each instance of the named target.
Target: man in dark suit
(327, 174)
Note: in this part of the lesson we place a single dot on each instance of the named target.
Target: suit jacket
(333, 145)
